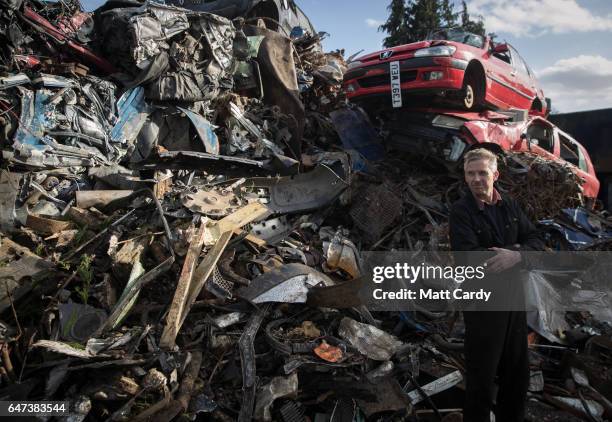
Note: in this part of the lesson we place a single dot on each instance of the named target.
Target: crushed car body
(451, 133)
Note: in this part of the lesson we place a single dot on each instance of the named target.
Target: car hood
(400, 49)
(506, 136)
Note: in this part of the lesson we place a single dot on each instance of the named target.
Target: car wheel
(472, 95)
(469, 97)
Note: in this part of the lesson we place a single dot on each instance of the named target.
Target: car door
(575, 155)
(523, 82)
(501, 73)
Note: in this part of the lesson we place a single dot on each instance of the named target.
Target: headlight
(354, 64)
(442, 50)
(449, 122)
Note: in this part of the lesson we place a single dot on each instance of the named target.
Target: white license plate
(396, 88)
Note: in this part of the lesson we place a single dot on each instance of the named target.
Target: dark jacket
(471, 230)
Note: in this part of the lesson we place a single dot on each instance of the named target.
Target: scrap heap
(176, 184)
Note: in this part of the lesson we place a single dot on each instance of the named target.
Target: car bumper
(375, 79)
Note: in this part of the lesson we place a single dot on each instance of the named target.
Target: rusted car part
(187, 70)
(578, 229)
(340, 253)
(279, 387)
(356, 132)
(275, 59)
(190, 160)
(383, 346)
(247, 358)
(22, 269)
(288, 284)
(287, 14)
(44, 27)
(304, 192)
(272, 230)
(379, 208)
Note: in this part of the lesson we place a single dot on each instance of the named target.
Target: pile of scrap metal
(541, 186)
(184, 201)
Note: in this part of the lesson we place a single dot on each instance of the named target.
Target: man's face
(480, 178)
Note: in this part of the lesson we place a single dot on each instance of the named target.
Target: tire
(472, 95)
(469, 96)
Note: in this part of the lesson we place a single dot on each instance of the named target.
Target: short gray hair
(481, 154)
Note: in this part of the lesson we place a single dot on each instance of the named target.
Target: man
(495, 341)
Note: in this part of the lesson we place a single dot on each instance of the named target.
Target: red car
(540, 137)
(454, 64)
(448, 134)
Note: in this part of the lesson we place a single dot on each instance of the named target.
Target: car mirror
(500, 48)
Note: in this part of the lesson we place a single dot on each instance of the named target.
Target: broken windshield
(458, 35)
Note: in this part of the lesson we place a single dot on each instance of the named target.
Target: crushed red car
(454, 65)
(449, 134)
(62, 36)
(539, 136)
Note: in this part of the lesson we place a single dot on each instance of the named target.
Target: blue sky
(567, 42)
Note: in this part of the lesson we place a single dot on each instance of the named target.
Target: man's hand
(503, 259)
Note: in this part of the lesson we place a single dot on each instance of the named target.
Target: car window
(582, 163)
(541, 135)
(571, 152)
(526, 67)
(458, 35)
(474, 40)
(518, 62)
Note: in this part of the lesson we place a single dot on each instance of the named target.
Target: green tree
(448, 15)
(426, 15)
(475, 27)
(395, 26)
(412, 20)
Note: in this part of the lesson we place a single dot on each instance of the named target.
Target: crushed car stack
(178, 191)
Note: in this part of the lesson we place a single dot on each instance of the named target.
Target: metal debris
(184, 204)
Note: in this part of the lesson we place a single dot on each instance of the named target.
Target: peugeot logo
(386, 54)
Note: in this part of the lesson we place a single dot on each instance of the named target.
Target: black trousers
(496, 345)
